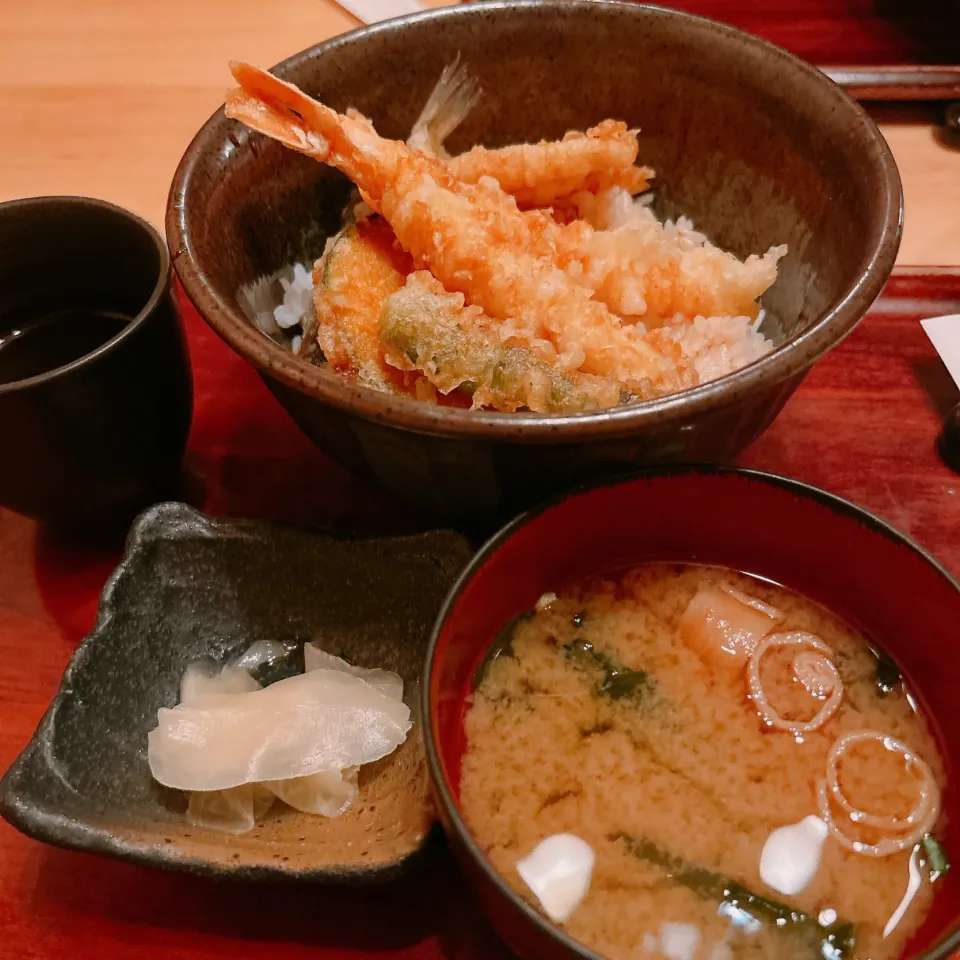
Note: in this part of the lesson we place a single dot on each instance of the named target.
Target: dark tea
(46, 343)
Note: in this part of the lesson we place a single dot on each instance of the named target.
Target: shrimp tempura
(540, 174)
(549, 172)
(641, 271)
(469, 236)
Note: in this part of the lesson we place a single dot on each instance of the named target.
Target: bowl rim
(789, 360)
(442, 789)
(160, 287)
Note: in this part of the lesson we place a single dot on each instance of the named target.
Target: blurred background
(102, 96)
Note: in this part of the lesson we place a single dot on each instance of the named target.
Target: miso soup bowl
(813, 543)
(756, 146)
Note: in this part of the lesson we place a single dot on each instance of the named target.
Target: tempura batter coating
(540, 174)
(549, 172)
(425, 328)
(467, 235)
(640, 271)
(616, 304)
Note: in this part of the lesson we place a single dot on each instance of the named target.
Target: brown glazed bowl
(812, 542)
(756, 146)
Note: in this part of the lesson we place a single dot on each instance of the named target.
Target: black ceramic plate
(190, 587)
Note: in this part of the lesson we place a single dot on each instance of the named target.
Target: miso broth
(673, 718)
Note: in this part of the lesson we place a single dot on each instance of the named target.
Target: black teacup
(95, 389)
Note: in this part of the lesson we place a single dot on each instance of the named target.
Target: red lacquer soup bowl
(822, 547)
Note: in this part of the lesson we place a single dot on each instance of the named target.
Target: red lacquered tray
(863, 425)
(878, 49)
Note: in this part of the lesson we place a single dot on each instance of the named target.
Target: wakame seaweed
(502, 646)
(887, 675)
(618, 682)
(936, 857)
(835, 941)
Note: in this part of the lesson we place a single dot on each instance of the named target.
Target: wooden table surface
(101, 98)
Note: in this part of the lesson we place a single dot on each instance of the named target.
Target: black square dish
(190, 587)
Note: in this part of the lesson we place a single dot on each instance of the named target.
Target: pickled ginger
(318, 721)
(387, 682)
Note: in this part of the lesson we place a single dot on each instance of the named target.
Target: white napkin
(373, 11)
(944, 334)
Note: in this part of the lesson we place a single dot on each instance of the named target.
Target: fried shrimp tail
(473, 238)
(448, 105)
(424, 328)
(284, 112)
(260, 114)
